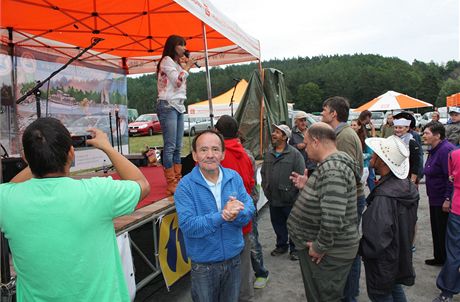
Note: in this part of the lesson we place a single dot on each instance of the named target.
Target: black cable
(5, 154)
(47, 98)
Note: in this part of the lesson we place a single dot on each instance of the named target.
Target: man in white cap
(297, 137)
(279, 162)
(453, 128)
(389, 222)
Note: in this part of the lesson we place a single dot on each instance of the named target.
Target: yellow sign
(173, 258)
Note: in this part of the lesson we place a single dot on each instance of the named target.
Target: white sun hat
(393, 152)
(401, 122)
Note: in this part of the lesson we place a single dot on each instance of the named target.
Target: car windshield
(378, 115)
(144, 118)
(353, 116)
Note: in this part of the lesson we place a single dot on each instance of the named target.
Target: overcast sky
(426, 30)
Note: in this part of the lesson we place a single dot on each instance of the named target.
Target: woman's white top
(172, 83)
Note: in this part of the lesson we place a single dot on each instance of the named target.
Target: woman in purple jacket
(438, 187)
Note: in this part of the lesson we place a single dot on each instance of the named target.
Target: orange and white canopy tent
(220, 103)
(134, 32)
(392, 100)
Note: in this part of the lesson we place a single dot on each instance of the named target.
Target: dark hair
(322, 131)
(212, 132)
(227, 126)
(170, 48)
(364, 114)
(46, 145)
(436, 128)
(362, 133)
(340, 105)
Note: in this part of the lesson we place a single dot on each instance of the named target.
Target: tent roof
(134, 32)
(392, 100)
(225, 97)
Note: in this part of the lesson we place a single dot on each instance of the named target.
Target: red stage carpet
(157, 180)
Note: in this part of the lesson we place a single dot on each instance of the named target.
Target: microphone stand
(110, 127)
(233, 94)
(36, 89)
(117, 129)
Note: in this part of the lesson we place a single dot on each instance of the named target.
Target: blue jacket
(208, 237)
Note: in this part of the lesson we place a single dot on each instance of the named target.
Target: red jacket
(237, 159)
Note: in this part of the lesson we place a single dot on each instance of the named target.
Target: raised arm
(126, 169)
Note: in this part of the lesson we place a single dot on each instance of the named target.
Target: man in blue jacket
(213, 206)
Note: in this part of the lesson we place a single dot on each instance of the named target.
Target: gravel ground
(285, 282)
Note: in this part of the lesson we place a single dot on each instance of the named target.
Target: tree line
(309, 81)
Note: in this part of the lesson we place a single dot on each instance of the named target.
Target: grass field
(137, 143)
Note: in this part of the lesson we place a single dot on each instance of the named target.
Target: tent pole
(208, 75)
(262, 109)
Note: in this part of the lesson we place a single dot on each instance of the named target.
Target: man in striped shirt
(323, 221)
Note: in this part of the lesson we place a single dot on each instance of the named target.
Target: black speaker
(11, 166)
(139, 160)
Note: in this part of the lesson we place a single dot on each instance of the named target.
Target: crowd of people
(313, 180)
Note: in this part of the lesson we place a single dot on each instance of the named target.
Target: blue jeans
(257, 257)
(172, 126)
(278, 217)
(448, 280)
(351, 290)
(397, 295)
(216, 282)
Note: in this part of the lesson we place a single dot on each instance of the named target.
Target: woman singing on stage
(172, 73)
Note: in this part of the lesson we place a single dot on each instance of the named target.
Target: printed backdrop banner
(173, 258)
(79, 96)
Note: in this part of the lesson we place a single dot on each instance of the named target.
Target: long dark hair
(362, 134)
(170, 48)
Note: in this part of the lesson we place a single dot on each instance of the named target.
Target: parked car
(145, 124)
(426, 118)
(377, 119)
(194, 125)
(352, 116)
(418, 117)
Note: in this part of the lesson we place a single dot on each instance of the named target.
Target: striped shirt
(325, 211)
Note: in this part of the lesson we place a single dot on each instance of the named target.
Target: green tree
(449, 87)
(309, 97)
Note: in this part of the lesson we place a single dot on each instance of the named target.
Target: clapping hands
(232, 208)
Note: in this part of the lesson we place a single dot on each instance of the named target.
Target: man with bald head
(324, 222)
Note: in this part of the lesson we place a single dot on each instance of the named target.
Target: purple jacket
(438, 186)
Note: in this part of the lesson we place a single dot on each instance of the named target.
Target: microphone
(187, 55)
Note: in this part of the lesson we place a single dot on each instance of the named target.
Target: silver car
(426, 118)
(377, 119)
(194, 125)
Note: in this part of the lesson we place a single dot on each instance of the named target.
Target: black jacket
(388, 230)
(275, 172)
